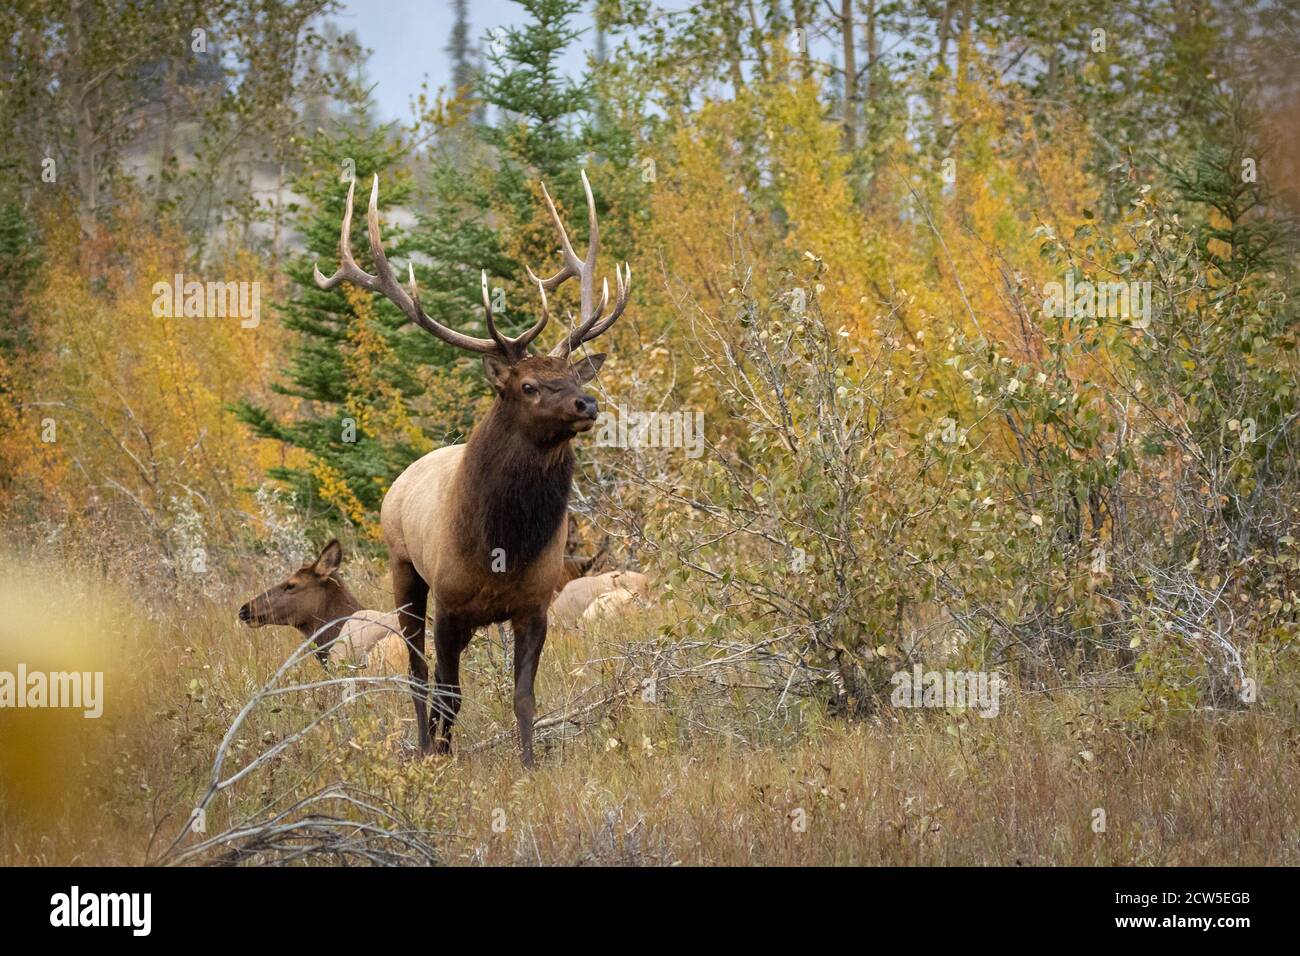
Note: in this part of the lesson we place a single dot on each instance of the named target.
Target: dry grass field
(707, 771)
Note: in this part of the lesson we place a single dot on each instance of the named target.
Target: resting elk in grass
(315, 597)
(482, 526)
(579, 595)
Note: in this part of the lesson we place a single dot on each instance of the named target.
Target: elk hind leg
(412, 596)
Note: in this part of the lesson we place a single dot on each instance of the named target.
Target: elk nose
(586, 405)
(244, 613)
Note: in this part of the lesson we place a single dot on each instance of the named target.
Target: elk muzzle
(585, 407)
(255, 612)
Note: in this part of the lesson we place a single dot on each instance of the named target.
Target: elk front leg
(450, 638)
(530, 635)
(412, 596)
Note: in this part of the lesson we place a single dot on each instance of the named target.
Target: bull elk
(482, 526)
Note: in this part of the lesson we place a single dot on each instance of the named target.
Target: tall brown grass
(704, 774)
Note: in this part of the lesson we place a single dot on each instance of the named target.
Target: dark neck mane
(513, 493)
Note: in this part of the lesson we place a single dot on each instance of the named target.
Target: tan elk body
(612, 606)
(371, 644)
(419, 517)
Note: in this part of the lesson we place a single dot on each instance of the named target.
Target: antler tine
(348, 268)
(415, 291)
(541, 291)
(595, 325)
(572, 264)
(593, 228)
(386, 284)
(488, 314)
(624, 281)
(517, 347)
(592, 319)
(587, 268)
(591, 329)
(524, 339)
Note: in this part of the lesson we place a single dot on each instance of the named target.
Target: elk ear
(331, 557)
(586, 369)
(575, 566)
(497, 372)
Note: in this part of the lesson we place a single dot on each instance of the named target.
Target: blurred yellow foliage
(139, 404)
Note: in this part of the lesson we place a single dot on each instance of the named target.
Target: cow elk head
(305, 599)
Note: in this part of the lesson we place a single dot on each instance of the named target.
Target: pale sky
(408, 38)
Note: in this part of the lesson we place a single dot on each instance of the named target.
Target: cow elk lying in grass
(586, 598)
(482, 526)
(315, 597)
(613, 605)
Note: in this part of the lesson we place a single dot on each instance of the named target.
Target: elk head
(305, 599)
(541, 395)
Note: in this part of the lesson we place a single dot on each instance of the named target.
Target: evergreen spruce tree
(463, 72)
(537, 131)
(20, 262)
(538, 107)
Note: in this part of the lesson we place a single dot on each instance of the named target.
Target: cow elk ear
(331, 557)
(586, 369)
(576, 565)
(497, 372)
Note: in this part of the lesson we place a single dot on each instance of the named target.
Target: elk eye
(289, 586)
(530, 389)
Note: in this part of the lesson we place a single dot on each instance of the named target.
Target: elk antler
(591, 323)
(386, 284)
